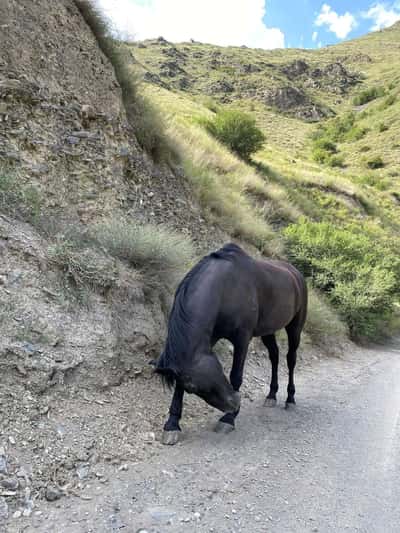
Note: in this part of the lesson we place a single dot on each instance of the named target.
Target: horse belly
(275, 318)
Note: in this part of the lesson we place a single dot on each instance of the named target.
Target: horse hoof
(223, 427)
(290, 405)
(270, 402)
(170, 437)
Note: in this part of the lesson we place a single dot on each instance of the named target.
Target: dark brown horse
(229, 295)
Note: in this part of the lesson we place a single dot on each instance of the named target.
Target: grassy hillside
(325, 186)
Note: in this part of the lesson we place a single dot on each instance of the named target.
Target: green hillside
(325, 188)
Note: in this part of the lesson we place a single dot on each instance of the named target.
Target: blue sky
(254, 23)
(298, 19)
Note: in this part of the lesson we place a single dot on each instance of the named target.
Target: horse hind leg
(293, 331)
(273, 351)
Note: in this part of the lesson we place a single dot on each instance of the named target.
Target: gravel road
(331, 464)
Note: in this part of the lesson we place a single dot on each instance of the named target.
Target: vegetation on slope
(320, 189)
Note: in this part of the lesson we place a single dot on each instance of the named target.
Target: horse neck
(190, 330)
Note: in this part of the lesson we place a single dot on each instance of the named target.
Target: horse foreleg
(227, 422)
(171, 428)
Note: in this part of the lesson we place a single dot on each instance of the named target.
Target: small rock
(150, 436)
(17, 514)
(53, 493)
(3, 509)
(11, 440)
(10, 483)
(83, 471)
(3, 465)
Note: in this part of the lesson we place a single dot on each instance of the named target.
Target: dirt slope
(63, 131)
(62, 123)
(328, 465)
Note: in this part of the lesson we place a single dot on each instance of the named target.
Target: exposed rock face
(155, 79)
(63, 130)
(295, 102)
(295, 69)
(220, 86)
(170, 69)
(334, 77)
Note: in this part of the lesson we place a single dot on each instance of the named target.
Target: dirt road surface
(329, 465)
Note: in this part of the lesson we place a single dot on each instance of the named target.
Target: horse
(230, 295)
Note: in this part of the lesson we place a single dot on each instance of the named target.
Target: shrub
(83, 265)
(320, 156)
(18, 200)
(365, 148)
(336, 161)
(368, 95)
(238, 131)
(325, 152)
(382, 127)
(160, 254)
(325, 144)
(374, 181)
(375, 162)
(355, 133)
(388, 101)
(323, 321)
(359, 271)
(144, 119)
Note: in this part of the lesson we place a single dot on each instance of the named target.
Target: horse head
(205, 378)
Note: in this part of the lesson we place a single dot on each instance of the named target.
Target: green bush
(238, 131)
(336, 161)
(382, 127)
(325, 144)
(388, 101)
(324, 139)
(358, 270)
(323, 322)
(355, 133)
(368, 95)
(375, 162)
(374, 180)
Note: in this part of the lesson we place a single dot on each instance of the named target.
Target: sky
(254, 23)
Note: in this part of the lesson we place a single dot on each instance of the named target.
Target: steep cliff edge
(73, 160)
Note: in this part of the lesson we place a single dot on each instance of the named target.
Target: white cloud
(314, 36)
(383, 16)
(222, 22)
(341, 25)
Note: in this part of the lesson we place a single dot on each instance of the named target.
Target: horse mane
(180, 324)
